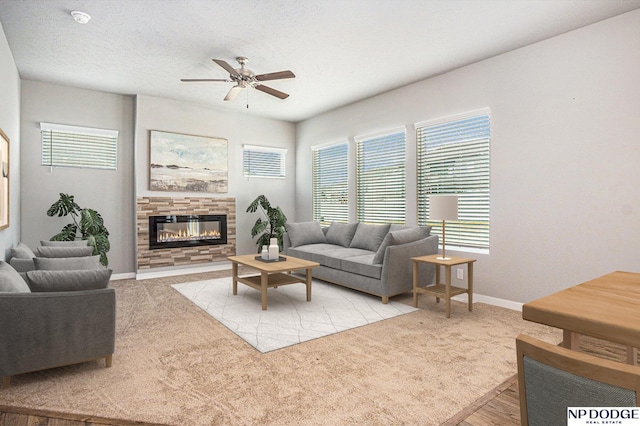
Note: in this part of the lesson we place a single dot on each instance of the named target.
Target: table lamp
(443, 207)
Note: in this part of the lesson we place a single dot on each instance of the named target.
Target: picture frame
(187, 163)
(4, 180)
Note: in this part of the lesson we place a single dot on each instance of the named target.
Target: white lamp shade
(443, 207)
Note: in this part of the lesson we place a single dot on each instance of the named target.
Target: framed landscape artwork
(4, 184)
(189, 163)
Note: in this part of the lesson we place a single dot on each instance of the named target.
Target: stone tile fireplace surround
(166, 206)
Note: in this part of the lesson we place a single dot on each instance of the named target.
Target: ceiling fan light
(80, 17)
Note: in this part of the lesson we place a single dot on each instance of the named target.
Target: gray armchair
(552, 378)
(66, 317)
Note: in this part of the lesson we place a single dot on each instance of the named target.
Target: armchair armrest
(52, 329)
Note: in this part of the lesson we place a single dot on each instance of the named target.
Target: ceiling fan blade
(205, 79)
(235, 90)
(271, 91)
(226, 66)
(275, 76)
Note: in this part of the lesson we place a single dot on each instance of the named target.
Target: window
(264, 162)
(330, 170)
(453, 158)
(380, 178)
(72, 146)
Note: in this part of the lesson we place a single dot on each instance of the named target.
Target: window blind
(72, 146)
(330, 169)
(453, 158)
(380, 178)
(262, 161)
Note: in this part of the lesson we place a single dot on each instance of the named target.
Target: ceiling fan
(245, 78)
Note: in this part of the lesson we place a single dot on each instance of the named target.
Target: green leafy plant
(87, 221)
(272, 227)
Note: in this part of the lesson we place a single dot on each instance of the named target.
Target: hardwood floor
(10, 416)
(503, 410)
(500, 407)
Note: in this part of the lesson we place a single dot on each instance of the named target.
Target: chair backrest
(552, 378)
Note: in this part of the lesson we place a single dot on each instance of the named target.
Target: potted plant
(272, 227)
(87, 221)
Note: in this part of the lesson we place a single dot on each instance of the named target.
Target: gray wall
(179, 117)
(10, 125)
(111, 193)
(565, 206)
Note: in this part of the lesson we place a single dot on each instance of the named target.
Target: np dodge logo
(603, 416)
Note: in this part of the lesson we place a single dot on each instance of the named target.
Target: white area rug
(289, 318)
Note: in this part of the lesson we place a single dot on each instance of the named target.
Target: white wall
(565, 151)
(180, 117)
(10, 125)
(108, 192)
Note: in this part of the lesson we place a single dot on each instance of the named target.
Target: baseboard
(125, 276)
(170, 272)
(503, 303)
(219, 266)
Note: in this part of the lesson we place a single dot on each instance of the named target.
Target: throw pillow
(410, 235)
(403, 236)
(302, 233)
(377, 259)
(22, 251)
(61, 251)
(74, 243)
(341, 233)
(40, 281)
(398, 227)
(369, 237)
(67, 263)
(11, 281)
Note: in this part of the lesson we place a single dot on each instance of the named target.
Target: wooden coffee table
(272, 274)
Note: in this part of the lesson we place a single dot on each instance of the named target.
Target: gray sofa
(374, 259)
(49, 318)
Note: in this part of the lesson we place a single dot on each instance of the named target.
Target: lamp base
(443, 258)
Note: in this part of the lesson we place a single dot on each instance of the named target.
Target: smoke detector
(80, 17)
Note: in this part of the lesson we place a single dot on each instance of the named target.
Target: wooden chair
(552, 378)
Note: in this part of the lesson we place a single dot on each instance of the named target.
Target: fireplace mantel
(148, 258)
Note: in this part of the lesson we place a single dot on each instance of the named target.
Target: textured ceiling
(341, 51)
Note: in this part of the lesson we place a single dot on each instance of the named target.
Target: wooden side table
(446, 290)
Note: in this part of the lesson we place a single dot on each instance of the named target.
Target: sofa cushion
(341, 233)
(369, 237)
(22, 265)
(11, 281)
(22, 251)
(62, 251)
(67, 263)
(40, 281)
(74, 243)
(329, 255)
(302, 233)
(403, 236)
(362, 265)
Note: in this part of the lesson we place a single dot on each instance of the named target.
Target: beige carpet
(174, 364)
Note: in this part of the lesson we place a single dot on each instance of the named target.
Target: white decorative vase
(274, 250)
(265, 252)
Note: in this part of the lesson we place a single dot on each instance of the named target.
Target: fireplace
(187, 231)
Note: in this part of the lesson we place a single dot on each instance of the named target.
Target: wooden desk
(607, 308)
(446, 290)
